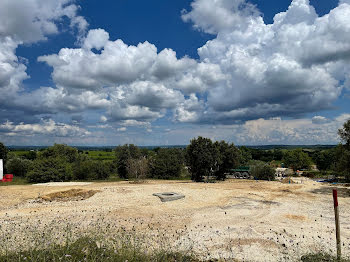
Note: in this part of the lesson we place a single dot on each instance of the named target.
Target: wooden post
(337, 227)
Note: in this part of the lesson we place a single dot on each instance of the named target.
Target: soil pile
(69, 195)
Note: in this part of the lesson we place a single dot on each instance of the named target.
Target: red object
(335, 197)
(7, 178)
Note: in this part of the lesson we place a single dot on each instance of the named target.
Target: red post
(337, 227)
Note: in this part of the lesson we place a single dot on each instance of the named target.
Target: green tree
(17, 166)
(201, 158)
(69, 154)
(245, 155)
(90, 170)
(297, 159)
(262, 171)
(325, 159)
(123, 154)
(344, 134)
(166, 164)
(49, 169)
(227, 156)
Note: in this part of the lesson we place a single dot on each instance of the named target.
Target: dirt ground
(239, 220)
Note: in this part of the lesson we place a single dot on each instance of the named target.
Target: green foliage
(227, 157)
(325, 159)
(342, 165)
(262, 171)
(167, 163)
(49, 169)
(245, 155)
(69, 154)
(344, 134)
(201, 158)
(90, 170)
(123, 154)
(88, 249)
(17, 166)
(297, 159)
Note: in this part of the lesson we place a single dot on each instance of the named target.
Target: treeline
(202, 160)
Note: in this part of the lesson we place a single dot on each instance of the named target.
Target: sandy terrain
(236, 219)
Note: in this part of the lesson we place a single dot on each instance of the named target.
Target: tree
(262, 171)
(17, 166)
(69, 154)
(297, 159)
(123, 154)
(343, 151)
(245, 155)
(3, 153)
(344, 134)
(166, 164)
(90, 170)
(227, 156)
(49, 169)
(201, 158)
(324, 159)
(137, 168)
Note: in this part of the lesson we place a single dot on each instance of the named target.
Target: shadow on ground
(328, 190)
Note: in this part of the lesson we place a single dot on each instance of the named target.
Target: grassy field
(100, 155)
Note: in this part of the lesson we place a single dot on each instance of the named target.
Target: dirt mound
(69, 195)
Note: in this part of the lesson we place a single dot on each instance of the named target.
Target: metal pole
(337, 227)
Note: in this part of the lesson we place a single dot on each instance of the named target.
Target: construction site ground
(240, 220)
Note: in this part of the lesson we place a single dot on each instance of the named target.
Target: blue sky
(162, 72)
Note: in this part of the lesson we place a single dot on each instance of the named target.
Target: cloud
(45, 127)
(246, 76)
(319, 120)
(33, 20)
(220, 15)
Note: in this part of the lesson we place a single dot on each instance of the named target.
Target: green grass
(16, 181)
(100, 155)
(88, 249)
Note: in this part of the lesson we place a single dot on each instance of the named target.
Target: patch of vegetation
(88, 249)
(321, 257)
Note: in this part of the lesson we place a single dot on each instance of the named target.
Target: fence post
(337, 227)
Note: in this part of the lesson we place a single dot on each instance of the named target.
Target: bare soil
(239, 220)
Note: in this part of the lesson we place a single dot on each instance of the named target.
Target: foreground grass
(87, 249)
(321, 257)
(16, 181)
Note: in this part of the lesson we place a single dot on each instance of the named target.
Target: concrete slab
(169, 196)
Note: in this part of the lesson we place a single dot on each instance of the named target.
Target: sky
(104, 73)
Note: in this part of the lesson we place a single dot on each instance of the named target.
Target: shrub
(90, 170)
(49, 169)
(262, 171)
(166, 164)
(18, 166)
(69, 154)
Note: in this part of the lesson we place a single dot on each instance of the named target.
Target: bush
(50, 169)
(90, 170)
(263, 171)
(18, 166)
(166, 164)
(69, 154)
